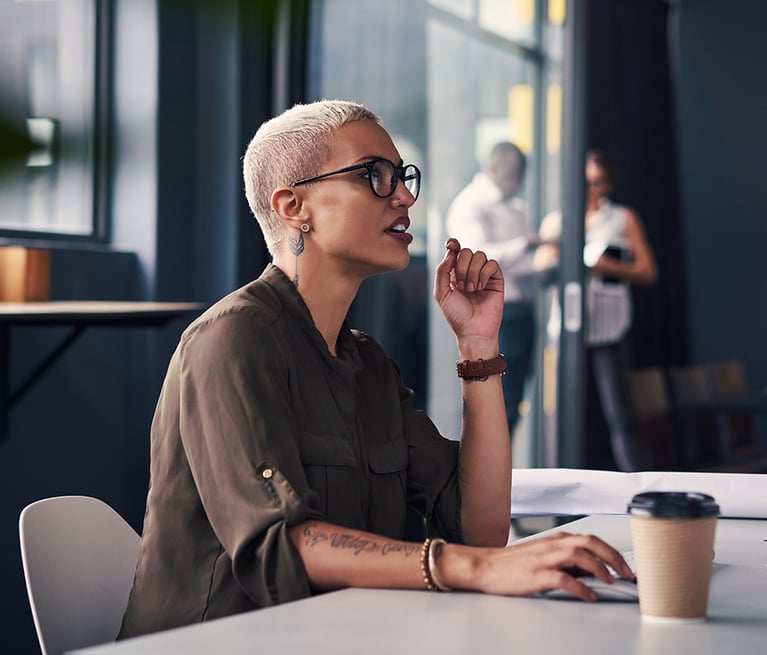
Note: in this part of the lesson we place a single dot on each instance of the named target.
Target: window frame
(99, 149)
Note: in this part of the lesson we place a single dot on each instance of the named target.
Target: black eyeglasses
(382, 177)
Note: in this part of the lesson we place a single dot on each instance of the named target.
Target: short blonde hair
(289, 147)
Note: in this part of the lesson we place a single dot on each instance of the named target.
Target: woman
(284, 446)
(617, 255)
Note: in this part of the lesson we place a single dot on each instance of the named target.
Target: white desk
(374, 621)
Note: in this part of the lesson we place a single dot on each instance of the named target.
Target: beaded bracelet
(427, 579)
(430, 552)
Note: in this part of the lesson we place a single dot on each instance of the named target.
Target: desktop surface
(382, 621)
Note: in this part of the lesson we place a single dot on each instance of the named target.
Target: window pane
(47, 79)
(513, 19)
(373, 53)
(448, 92)
(463, 8)
(478, 94)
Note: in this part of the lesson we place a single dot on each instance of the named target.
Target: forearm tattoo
(356, 543)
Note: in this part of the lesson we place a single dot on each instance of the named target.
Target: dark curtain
(630, 115)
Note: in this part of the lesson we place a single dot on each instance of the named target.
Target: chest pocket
(325, 450)
(388, 487)
(388, 457)
(330, 466)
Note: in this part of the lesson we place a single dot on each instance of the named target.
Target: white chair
(79, 557)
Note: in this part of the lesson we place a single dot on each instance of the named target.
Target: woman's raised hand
(468, 288)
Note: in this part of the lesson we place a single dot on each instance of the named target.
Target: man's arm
(547, 253)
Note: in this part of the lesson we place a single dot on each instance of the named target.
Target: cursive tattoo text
(358, 544)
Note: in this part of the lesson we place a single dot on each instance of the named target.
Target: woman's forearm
(336, 557)
(484, 463)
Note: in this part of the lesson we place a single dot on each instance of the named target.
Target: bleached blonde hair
(289, 147)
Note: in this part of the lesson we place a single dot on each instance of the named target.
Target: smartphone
(619, 253)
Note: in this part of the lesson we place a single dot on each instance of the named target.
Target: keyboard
(628, 556)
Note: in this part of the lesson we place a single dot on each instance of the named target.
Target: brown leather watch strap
(480, 369)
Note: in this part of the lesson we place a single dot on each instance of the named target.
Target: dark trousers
(516, 340)
(610, 365)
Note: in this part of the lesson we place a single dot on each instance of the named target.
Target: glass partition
(450, 78)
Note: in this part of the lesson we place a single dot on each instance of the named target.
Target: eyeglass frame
(399, 171)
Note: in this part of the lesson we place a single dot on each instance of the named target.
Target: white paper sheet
(580, 491)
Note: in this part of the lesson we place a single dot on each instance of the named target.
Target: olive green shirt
(259, 427)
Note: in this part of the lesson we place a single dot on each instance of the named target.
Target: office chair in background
(654, 423)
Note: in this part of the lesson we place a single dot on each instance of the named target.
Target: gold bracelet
(435, 550)
(425, 554)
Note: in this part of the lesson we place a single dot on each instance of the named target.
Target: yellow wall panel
(557, 11)
(553, 118)
(521, 116)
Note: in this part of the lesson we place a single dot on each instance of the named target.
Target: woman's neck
(327, 296)
(594, 205)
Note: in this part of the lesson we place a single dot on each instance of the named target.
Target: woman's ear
(288, 205)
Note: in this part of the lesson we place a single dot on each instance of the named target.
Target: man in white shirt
(487, 216)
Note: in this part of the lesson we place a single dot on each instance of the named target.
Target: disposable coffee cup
(673, 542)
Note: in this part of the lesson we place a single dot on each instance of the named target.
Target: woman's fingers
(473, 270)
(562, 580)
(602, 553)
(556, 562)
(444, 276)
(452, 244)
(585, 554)
(465, 270)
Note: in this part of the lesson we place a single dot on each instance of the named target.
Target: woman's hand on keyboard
(551, 562)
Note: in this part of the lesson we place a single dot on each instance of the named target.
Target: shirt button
(266, 474)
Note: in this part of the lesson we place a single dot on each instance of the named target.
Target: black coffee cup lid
(673, 504)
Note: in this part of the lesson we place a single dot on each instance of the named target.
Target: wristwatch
(480, 369)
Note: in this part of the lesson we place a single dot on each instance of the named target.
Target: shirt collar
(346, 347)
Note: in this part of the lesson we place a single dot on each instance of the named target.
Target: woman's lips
(398, 230)
(404, 237)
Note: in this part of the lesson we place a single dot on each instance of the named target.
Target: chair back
(699, 430)
(79, 558)
(728, 379)
(655, 427)
(716, 439)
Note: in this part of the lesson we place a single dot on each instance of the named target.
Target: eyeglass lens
(384, 176)
(411, 176)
